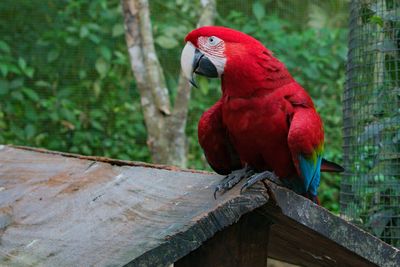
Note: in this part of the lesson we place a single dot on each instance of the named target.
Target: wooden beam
(244, 244)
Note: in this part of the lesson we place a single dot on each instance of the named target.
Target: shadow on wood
(243, 244)
(59, 209)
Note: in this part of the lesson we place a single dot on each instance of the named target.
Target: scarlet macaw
(264, 122)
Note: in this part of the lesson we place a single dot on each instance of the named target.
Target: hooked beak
(194, 61)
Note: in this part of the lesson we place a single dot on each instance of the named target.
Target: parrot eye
(213, 40)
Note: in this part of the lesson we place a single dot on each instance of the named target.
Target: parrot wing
(305, 139)
(214, 140)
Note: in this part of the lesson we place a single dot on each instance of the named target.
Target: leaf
(52, 55)
(82, 74)
(4, 69)
(4, 87)
(258, 10)
(72, 41)
(29, 72)
(101, 67)
(4, 47)
(96, 125)
(374, 129)
(105, 52)
(166, 42)
(68, 125)
(41, 83)
(120, 55)
(376, 20)
(378, 221)
(386, 46)
(30, 131)
(16, 95)
(392, 15)
(16, 83)
(203, 84)
(71, 29)
(84, 31)
(94, 26)
(118, 30)
(31, 94)
(396, 139)
(94, 38)
(97, 88)
(22, 63)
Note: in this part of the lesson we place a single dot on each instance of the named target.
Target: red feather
(214, 140)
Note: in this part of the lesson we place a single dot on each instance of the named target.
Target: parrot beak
(194, 61)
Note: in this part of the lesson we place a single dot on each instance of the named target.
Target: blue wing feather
(311, 172)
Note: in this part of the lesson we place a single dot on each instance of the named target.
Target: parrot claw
(259, 177)
(232, 179)
(217, 189)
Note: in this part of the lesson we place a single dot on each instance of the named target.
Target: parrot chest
(259, 117)
(258, 128)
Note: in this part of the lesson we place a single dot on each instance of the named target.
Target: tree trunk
(166, 137)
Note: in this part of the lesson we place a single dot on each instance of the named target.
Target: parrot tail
(329, 166)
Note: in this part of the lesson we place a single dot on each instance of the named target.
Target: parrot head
(215, 51)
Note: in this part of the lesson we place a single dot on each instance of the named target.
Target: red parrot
(264, 122)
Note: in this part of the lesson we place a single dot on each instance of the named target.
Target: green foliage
(66, 84)
(65, 80)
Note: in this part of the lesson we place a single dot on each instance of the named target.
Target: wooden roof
(58, 209)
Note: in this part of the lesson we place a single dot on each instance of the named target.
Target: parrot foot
(232, 179)
(259, 177)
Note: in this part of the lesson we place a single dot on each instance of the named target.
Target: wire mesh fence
(370, 190)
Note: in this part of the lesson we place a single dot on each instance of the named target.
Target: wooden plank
(60, 209)
(244, 244)
(312, 235)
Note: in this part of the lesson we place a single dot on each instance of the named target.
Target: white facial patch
(219, 63)
(214, 48)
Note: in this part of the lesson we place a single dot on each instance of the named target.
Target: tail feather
(329, 166)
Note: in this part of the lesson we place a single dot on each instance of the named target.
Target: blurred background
(66, 82)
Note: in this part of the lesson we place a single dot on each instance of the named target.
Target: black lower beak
(202, 65)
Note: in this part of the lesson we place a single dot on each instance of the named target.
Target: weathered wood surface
(59, 209)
